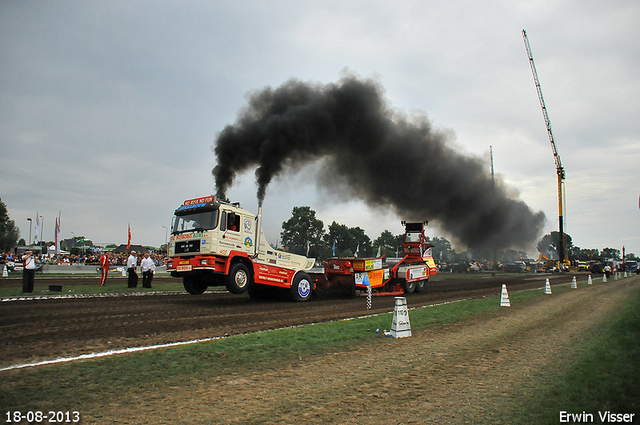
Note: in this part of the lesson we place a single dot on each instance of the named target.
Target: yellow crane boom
(556, 156)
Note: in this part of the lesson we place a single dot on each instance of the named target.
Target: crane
(559, 168)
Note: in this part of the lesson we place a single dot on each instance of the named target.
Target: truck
(218, 243)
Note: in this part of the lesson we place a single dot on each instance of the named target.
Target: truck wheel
(302, 287)
(193, 285)
(409, 287)
(421, 286)
(237, 281)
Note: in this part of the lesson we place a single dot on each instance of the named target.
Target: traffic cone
(124, 272)
(574, 283)
(604, 277)
(504, 299)
(4, 272)
(589, 281)
(547, 288)
(625, 273)
(616, 278)
(400, 327)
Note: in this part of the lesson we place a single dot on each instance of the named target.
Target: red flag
(129, 240)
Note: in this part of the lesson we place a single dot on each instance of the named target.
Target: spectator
(132, 263)
(104, 267)
(28, 271)
(148, 268)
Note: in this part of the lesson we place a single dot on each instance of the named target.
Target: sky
(109, 111)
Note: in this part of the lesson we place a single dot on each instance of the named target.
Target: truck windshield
(205, 220)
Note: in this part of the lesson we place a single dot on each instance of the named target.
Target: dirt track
(42, 329)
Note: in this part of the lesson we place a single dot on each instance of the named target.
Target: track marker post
(574, 283)
(4, 272)
(400, 327)
(504, 299)
(589, 281)
(547, 287)
(604, 277)
(366, 282)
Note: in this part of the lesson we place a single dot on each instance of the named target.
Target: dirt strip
(473, 372)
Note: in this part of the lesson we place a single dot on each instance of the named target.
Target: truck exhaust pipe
(258, 231)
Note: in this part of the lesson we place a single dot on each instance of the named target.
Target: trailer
(217, 243)
(393, 276)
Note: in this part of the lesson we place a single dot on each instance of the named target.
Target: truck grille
(186, 247)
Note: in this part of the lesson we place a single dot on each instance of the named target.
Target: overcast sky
(109, 109)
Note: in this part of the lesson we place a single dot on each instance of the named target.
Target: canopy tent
(52, 251)
(123, 248)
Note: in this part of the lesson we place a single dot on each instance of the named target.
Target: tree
(301, 230)
(549, 245)
(581, 254)
(388, 243)
(363, 243)
(9, 233)
(611, 253)
(441, 249)
(340, 238)
(348, 240)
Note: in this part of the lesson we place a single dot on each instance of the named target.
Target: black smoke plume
(377, 155)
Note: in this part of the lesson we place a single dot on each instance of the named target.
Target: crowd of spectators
(89, 259)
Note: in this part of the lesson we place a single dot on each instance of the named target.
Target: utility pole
(493, 182)
(30, 223)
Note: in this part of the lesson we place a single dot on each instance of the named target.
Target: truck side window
(233, 222)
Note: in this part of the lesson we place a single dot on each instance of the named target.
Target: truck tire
(238, 279)
(301, 287)
(409, 287)
(421, 286)
(194, 285)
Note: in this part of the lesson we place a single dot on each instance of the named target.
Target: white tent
(52, 251)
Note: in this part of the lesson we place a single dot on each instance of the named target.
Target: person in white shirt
(132, 263)
(148, 267)
(28, 271)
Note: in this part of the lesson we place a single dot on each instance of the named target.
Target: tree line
(305, 234)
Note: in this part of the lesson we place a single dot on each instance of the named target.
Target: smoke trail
(387, 160)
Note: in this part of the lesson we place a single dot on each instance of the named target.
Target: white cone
(504, 299)
(625, 273)
(574, 283)
(604, 277)
(547, 287)
(124, 272)
(589, 281)
(400, 327)
(616, 278)
(4, 272)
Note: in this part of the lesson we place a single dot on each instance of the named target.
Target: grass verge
(119, 287)
(604, 376)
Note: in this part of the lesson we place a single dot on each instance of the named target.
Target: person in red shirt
(104, 266)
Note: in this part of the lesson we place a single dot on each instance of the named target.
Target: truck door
(230, 227)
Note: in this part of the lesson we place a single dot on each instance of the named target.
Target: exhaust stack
(258, 231)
